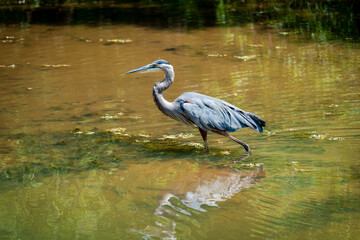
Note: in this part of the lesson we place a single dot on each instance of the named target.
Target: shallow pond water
(85, 153)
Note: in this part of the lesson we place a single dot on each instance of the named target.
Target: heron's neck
(166, 82)
(159, 87)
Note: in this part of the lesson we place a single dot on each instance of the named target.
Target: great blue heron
(201, 111)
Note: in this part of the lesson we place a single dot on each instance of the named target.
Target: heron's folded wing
(212, 114)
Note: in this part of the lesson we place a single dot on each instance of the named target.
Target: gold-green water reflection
(85, 153)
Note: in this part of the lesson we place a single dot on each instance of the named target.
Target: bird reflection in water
(204, 191)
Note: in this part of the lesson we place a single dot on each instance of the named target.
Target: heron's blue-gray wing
(213, 114)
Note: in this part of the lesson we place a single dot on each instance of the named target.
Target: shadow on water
(42, 155)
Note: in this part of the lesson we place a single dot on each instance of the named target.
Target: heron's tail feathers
(258, 121)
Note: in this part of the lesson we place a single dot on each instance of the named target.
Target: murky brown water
(85, 153)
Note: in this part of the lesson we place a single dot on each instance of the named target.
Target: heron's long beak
(144, 68)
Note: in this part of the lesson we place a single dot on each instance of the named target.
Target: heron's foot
(247, 147)
(206, 150)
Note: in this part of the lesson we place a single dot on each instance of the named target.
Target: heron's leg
(204, 136)
(226, 134)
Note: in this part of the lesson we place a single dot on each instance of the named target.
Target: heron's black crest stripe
(161, 62)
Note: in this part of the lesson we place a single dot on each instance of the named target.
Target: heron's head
(152, 67)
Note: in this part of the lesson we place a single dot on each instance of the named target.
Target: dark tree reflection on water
(331, 20)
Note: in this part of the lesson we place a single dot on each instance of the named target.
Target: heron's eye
(154, 66)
